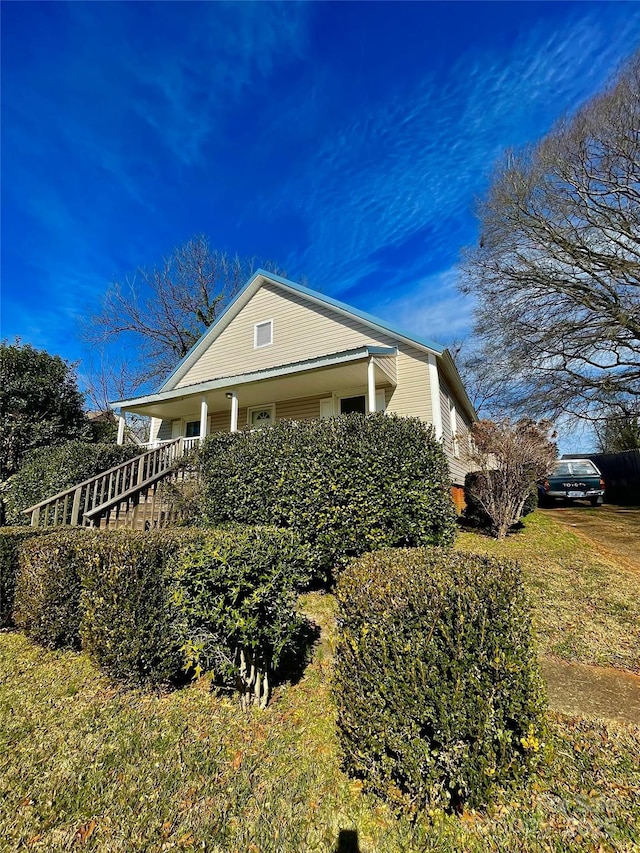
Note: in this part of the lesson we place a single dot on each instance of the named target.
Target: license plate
(575, 494)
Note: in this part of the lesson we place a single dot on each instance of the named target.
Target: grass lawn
(86, 765)
(587, 606)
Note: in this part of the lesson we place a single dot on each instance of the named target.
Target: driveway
(613, 530)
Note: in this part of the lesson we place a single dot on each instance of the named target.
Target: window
(453, 420)
(263, 334)
(192, 429)
(351, 405)
(261, 416)
(584, 468)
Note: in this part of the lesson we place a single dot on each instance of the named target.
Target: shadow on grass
(295, 659)
(467, 525)
(347, 842)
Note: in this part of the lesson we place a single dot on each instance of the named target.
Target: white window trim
(327, 402)
(453, 420)
(256, 345)
(181, 430)
(251, 409)
(358, 391)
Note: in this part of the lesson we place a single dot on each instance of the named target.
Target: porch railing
(188, 443)
(76, 506)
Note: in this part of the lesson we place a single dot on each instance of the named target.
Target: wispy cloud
(411, 165)
(108, 132)
(430, 307)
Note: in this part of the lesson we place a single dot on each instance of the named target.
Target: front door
(261, 417)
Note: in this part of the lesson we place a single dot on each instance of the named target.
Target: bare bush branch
(509, 458)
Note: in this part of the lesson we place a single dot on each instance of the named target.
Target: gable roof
(257, 280)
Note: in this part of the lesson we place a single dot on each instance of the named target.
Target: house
(282, 351)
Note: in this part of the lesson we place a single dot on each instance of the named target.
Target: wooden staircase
(127, 495)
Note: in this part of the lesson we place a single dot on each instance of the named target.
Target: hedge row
(11, 538)
(437, 684)
(152, 606)
(47, 600)
(128, 624)
(347, 485)
(48, 470)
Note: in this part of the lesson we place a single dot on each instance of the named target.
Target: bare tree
(107, 379)
(163, 311)
(556, 273)
(509, 458)
(482, 378)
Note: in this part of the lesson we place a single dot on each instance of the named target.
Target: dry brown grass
(586, 603)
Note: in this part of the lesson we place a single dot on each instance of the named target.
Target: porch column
(120, 438)
(434, 386)
(231, 395)
(154, 427)
(371, 385)
(204, 418)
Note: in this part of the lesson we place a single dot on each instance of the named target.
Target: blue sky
(345, 142)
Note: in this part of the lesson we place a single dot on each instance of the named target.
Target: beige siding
(220, 421)
(304, 409)
(446, 420)
(411, 395)
(164, 433)
(458, 466)
(301, 330)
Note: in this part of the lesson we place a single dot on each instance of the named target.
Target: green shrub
(437, 684)
(48, 470)
(129, 623)
(237, 594)
(11, 538)
(160, 603)
(475, 514)
(47, 596)
(346, 485)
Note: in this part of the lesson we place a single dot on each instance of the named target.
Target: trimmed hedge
(237, 593)
(437, 684)
(347, 485)
(11, 539)
(48, 470)
(151, 606)
(129, 623)
(47, 596)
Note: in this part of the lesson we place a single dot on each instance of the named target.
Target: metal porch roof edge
(243, 296)
(256, 376)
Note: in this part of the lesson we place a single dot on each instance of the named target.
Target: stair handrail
(98, 510)
(139, 459)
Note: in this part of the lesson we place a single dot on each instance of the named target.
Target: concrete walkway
(592, 691)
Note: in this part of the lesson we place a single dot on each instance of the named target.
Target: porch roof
(320, 375)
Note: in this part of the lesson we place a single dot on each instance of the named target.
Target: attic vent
(263, 334)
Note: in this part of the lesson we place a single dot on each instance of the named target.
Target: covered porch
(357, 380)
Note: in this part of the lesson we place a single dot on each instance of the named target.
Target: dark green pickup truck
(570, 480)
